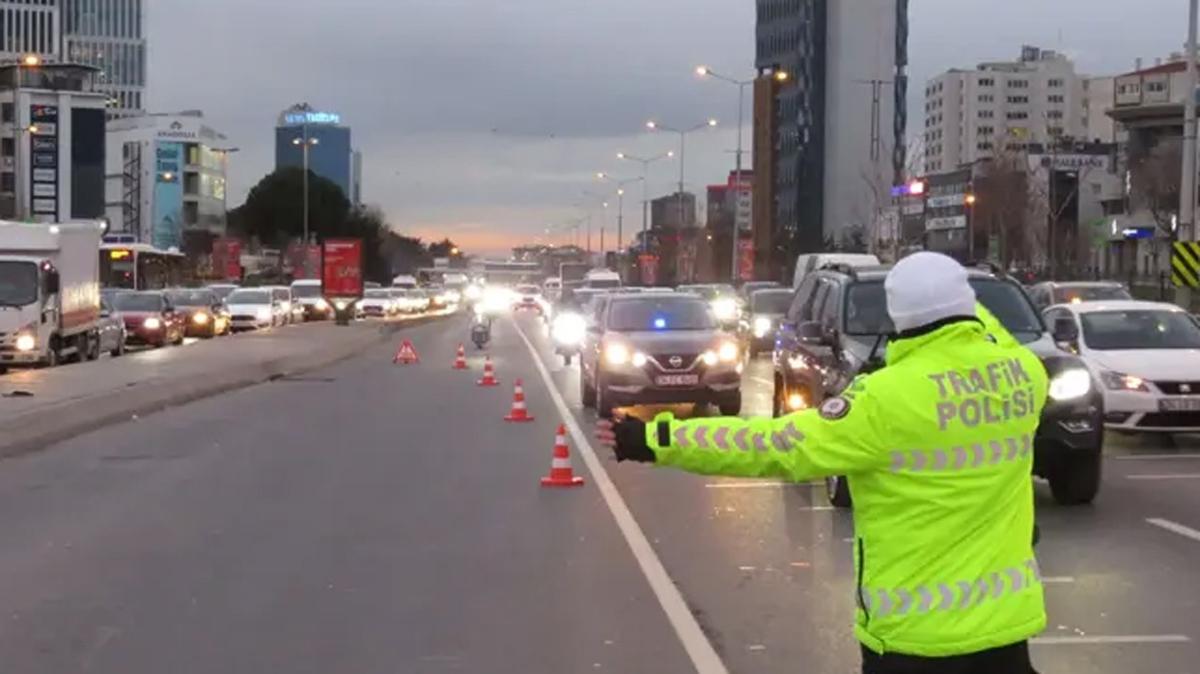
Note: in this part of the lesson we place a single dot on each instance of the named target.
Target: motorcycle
(567, 331)
(481, 333)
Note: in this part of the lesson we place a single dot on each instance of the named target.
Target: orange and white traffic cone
(489, 374)
(460, 360)
(406, 354)
(561, 474)
(519, 413)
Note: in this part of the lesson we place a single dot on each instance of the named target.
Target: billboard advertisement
(167, 227)
(649, 269)
(342, 268)
(43, 148)
(227, 259)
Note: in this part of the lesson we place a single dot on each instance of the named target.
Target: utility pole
(1187, 188)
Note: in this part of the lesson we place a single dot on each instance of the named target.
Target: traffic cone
(406, 354)
(561, 474)
(489, 374)
(519, 413)
(460, 360)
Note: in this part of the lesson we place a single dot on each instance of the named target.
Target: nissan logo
(1185, 388)
(676, 361)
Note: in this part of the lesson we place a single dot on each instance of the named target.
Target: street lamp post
(683, 133)
(705, 71)
(305, 144)
(645, 162)
(620, 203)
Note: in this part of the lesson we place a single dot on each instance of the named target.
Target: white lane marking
(1111, 639)
(761, 380)
(1174, 527)
(1154, 457)
(1056, 580)
(703, 656)
(1164, 476)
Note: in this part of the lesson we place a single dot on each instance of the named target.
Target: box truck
(49, 292)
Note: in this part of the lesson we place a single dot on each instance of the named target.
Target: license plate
(677, 380)
(1179, 405)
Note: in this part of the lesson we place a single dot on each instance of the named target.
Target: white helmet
(926, 287)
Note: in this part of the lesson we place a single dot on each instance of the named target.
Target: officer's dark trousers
(1012, 659)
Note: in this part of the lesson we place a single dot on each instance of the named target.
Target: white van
(405, 281)
(811, 262)
(602, 278)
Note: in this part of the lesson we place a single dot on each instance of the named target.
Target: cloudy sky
(485, 121)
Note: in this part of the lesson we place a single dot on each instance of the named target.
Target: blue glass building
(331, 154)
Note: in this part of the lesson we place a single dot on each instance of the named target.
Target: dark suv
(837, 327)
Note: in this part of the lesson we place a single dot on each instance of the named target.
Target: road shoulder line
(699, 649)
(1174, 527)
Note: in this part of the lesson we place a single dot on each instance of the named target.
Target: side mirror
(105, 313)
(52, 282)
(812, 332)
(1066, 332)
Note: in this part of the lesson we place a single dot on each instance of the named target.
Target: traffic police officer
(937, 447)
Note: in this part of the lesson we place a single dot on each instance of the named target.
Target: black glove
(631, 441)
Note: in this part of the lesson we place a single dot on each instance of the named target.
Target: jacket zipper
(861, 600)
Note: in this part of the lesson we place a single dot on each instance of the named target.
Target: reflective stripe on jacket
(938, 449)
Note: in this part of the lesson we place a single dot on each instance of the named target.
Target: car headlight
(341, 304)
(26, 342)
(152, 323)
(1119, 381)
(616, 354)
(321, 304)
(727, 352)
(263, 314)
(725, 308)
(709, 357)
(200, 318)
(568, 329)
(639, 359)
(762, 325)
(1070, 384)
(474, 292)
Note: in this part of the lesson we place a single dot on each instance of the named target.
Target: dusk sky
(485, 122)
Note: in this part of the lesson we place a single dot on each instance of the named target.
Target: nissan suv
(658, 348)
(837, 327)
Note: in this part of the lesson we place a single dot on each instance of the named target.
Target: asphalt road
(377, 518)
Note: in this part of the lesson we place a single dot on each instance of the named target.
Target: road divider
(75, 399)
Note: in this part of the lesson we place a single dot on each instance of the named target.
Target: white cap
(927, 287)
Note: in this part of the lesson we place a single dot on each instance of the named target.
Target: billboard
(167, 223)
(43, 148)
(745, 259)
(342, 268)
(227, 259)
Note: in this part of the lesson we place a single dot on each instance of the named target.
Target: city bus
(139, 266)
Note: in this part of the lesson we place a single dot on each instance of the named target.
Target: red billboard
(745, 259)
(227, 259)
(342, 268)
(649, 269)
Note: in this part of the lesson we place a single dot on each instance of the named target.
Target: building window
(986, 114)
(1055, 98)
(983, 145)
(1055, 131)
(986, 98)
(1017, 115)
(1054, 114)
(986, 81)
(1157, 87)
(6, 113)
(7, 147)
(1018, 84)
(8, 182)
(1054, 83)
(1018, 100)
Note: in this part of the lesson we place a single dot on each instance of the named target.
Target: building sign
(1070, 162)
(311, 117)
(43, 148)
(952, 222)
(946, 200)
(746, 259)
(167, 222)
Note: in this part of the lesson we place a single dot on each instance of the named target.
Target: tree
(274, 209)
(443, 248)
(1002, 209)
(1155, 180)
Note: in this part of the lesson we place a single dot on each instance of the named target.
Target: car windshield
(249, 297)
(1139, 329)
(377, 294)
(192, 298)
(706, 292)
(139, 302)
(770, 301)
(306, 290)
(659, 313)
(866, 308)
(18, 283)
(222, 292)
(1089, 293)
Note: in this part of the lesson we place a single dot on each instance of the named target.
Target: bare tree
(1004, 210)
(1154, 183)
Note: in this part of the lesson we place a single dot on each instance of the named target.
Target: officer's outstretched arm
(843, 436)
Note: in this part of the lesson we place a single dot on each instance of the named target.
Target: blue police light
(660, 323)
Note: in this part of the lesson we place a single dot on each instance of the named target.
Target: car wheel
(120, 348)
(731, 405)
(52, 357)
(837, 488)
(93, 346)
(1076, 481)
(604, 406)
(587, 392)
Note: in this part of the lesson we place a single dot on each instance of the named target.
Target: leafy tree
(443, 248)
(274, 209)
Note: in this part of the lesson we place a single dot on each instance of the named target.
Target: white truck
(49, 293)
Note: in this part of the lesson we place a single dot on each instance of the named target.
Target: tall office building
(998, 106)
(838, 120)
(110, 35)
(29, 27)
(330, 154)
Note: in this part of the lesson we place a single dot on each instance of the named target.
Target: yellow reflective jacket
(937, 447)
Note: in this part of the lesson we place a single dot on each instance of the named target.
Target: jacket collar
(954, 328)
